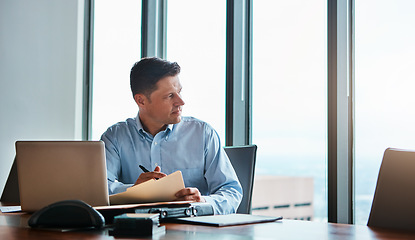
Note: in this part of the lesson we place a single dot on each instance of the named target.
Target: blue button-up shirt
(191, 146)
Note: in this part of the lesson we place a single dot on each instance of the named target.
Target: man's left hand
(189, 194)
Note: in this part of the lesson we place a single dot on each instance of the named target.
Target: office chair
(393, 202)
(243, 161)
(11, 189)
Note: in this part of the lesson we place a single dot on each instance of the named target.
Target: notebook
(227, 220)
(51, 171)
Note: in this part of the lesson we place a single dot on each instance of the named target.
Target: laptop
(51, 171)
(394, 197)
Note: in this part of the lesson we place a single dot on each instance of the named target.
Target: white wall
(40, 73)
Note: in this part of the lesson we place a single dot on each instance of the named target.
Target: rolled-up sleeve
(113, 162)
(223, 184)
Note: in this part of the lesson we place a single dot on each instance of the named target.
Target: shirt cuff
(117, 187)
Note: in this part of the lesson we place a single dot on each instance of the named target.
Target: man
(160, 138)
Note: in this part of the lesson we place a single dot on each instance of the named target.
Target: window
(290, 107)
(196, 39)
(385, 83)
(117, 42)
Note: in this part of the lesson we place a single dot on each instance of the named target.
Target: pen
(143, 168)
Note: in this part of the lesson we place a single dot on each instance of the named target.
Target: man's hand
(189, 194)
(150, 175)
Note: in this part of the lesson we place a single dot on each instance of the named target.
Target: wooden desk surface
(14, 226)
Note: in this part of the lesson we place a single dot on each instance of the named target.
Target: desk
(14, 226)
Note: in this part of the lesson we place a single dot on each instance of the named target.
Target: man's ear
(140, 99)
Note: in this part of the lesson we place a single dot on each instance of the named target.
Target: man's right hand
(150, 175)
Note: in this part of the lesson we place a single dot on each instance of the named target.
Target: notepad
(227, 220)
(153, 190)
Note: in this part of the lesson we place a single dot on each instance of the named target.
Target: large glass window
(117, 44)
(196, 39)
(385, 85)
(290, 108)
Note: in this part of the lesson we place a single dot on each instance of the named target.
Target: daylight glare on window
(196, 39)
(385, 85)
(117, 41)
(290, 108)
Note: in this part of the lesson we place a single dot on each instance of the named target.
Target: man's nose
(180, 101)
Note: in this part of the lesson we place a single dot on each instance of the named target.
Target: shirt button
(155, 143)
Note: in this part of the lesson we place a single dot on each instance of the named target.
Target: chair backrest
(243, 161)
(11, 189)
(393, 202)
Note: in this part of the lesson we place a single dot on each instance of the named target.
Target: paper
(142, 205)
(9, 209)
(151, 191)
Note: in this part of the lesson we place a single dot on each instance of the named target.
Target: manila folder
(152, 190)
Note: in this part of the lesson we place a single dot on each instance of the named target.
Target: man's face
(165, 104)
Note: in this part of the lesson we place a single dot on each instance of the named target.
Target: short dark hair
(147, 72)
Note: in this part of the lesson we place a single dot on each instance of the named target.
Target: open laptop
(394, 197)
(51, 171)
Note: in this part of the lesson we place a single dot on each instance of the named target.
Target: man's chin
(176, 120)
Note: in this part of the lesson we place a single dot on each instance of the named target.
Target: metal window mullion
(153, 28)
(88, 69)
(340, 112)
(238, 72)
(351, 69)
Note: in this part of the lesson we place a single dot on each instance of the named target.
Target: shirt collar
(141, 130)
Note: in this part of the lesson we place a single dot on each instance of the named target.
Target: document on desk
(227, 220)
(9, 209)
(153, 190)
